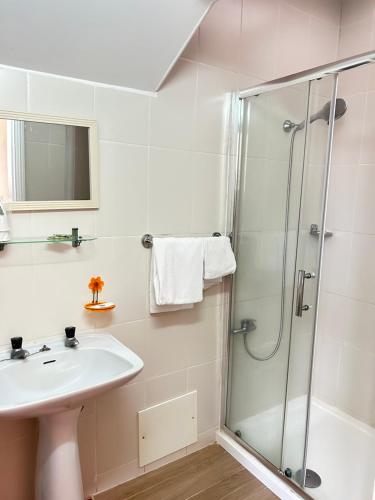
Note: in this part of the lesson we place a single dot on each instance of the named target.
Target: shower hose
(283, 274)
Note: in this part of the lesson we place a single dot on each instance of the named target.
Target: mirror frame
(93, 202)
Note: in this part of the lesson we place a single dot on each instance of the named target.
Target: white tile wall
(345, 357)
(61, 97)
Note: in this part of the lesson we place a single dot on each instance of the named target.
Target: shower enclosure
(283, 165)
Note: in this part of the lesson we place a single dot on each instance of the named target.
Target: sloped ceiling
(131, 43)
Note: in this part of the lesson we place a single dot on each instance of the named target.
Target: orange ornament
(96, 284)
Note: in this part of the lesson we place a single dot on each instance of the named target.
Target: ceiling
(130, 43)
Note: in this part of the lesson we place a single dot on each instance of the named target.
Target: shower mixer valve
(247, 325)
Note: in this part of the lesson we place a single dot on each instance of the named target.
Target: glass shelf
(75, 242)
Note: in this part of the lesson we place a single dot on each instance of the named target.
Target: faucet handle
(70, 332)
(16, 342)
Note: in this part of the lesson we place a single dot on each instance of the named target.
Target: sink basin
(52, 386)
(63, 378)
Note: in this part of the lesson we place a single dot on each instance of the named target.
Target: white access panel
(167, 427)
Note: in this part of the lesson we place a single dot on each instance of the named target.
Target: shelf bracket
(76, 241)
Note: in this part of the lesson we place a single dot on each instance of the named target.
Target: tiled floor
(208, 474)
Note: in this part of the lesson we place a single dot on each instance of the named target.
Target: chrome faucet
(17, 351)
(70, 339)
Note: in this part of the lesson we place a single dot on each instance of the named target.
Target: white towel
(219, 259)
(177, 267)
(154, 308)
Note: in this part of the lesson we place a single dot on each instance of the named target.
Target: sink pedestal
(58, 475)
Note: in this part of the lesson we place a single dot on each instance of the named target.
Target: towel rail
(147, 239)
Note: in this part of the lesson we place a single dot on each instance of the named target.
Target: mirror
(47, 163)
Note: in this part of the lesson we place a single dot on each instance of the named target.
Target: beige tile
(125, 272)
(13, 255)
(167, 341)
(361, 282)
(336, 257)
(171, 191)
(202, 345)
(56, 96)
(171, 385)
(323, 41)
(349, 132)
(117, 428)
(18, 459)
(291, 56)
(13, 280)
(15, 429)
(123, 190)
(356, 394)
(122, 116)
(208, 179)
(210, 127)
(172, 111)
(259, 38)
(364, 200)
(356, 11)
(355, 37)
(342, 197)
(203, 378)
(326, 10)
(219, 35)
(326, 371)
(53, 283)
(367, 147)
(348, 321)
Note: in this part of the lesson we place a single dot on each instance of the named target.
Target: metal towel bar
(147, 239)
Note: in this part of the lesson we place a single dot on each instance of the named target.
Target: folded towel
(154, 308)
(177, 267)
(219, 259)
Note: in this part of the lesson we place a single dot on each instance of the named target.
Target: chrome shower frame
(233, 188)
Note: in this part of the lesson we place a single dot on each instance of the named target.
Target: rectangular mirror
(47, 163)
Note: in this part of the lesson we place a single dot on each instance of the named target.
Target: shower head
(322, 114)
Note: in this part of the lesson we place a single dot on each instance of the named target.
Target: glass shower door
(272, 209)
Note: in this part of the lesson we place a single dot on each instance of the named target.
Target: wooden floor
(208, 474)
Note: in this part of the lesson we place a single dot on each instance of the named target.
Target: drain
(238, 434)
(312, 478)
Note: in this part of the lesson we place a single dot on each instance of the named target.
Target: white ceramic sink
(52, 385)
(63, 377)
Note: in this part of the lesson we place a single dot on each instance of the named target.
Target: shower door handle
(302, 276)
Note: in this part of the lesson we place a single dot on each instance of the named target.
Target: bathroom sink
(63, 378)
(52, 385)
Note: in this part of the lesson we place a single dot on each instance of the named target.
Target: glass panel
(308, 259)
(266, 244)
